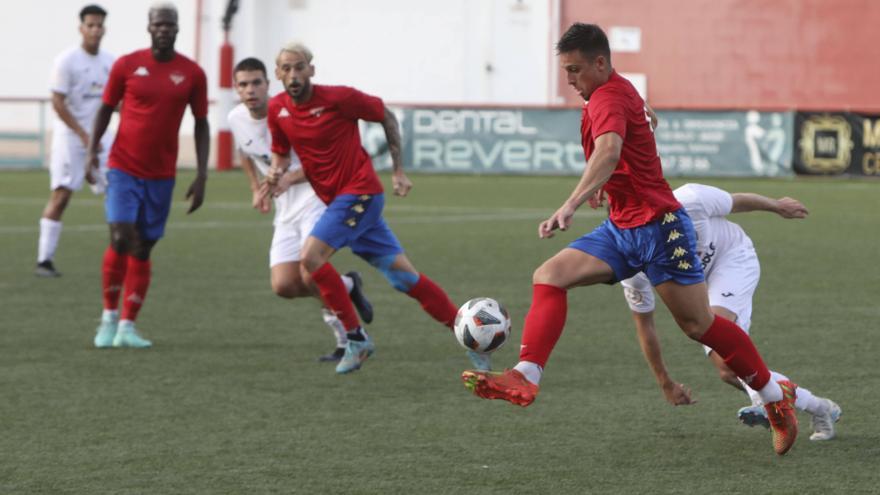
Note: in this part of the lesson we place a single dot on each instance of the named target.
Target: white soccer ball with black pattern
(482, 325)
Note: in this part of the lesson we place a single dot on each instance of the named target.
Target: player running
(732, 271)
(321, 124)
(297, 208)
(78, 78)
(154, 85)
(647, 231)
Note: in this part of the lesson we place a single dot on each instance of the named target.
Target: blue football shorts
(143, 202)
(664, 249)
(355, 221)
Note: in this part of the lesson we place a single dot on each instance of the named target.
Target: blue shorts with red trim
(664, 249)
(143, 202)
(355, 221)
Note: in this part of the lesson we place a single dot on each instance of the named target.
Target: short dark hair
(589, 39)
(91, 10)
(251, 63)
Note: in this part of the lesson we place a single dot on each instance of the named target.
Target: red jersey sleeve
(607, 114)
(280, 143)
(115, 88)
(358, 105)
(198, 100)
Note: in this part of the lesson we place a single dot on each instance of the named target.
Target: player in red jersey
(154, 85)
(321, 124)
(647, 231)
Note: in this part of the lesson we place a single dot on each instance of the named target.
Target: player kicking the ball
(321, 124)
(732, 271)
(297, 208)
(648, 231)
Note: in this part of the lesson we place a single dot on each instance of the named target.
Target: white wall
(406, 51)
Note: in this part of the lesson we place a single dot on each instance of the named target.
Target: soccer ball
(482, 325)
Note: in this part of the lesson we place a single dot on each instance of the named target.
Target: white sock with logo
(50, 232)
(530, 370)
(336, 326)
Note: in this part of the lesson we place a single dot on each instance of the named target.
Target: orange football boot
(511, 386)
(783, 419)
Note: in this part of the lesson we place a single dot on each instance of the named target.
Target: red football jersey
(324, 133)
(637, 192)
(154, 96)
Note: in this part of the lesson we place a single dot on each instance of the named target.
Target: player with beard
(321, 124)
(297, 208)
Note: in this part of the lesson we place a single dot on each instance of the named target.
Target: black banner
(836, 143)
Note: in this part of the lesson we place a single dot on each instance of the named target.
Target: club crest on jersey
(317, 111)
(177, 78)
(283, 113)
(141, 71)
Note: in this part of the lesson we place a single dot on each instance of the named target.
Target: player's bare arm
(258, 201)
(59, 104)
(675, 393)
(785, 207)
(99, 127)
(288, 179)
(280, 164)
(599, 168)
(196, 191)
(399, 181)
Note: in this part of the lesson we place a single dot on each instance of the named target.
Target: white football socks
(336, 326)
(805, 400)
(50, 232)
(348, 282)
(530, 370)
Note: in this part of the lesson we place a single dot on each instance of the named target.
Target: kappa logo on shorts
(684, 265)
(669, 218)
(679, 252)
(674, 235)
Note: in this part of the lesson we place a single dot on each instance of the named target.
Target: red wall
(738, 54)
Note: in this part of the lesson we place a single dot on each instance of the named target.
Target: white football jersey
(708, 208)
(80, 77)
(253, 139)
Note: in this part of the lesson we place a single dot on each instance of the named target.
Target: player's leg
(689, 305)
(346, 217)
(154, 198)
(571, 267)
(676, 273)
(354, 285)
(50, 232)
(66, 170)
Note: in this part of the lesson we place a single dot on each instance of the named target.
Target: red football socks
(434, 300)
(335, 296)
(112, 276)
(137, 281)
(544, 323)
(738, 351)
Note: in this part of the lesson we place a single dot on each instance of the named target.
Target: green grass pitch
(232, 400)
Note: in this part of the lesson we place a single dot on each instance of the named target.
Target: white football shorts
(731, 283)
(67, 165)
(289, 237)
